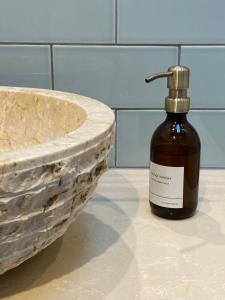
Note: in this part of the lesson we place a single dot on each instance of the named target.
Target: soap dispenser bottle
(175, 153)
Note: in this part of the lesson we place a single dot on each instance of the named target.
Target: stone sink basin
(53, 149)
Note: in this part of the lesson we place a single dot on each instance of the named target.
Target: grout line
(208, 109)
(147, 45)
(116, 22)
(58, 43)
(135, 108)
(108, 44)
(86, 44)
(161, 109)
(211, 168)
(26, 43)
(146, 167)
(179, 55)
(130, 167)
(115, 156)
(202, 45)
(52, 68)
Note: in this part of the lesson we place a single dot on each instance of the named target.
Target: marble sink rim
(99, 122)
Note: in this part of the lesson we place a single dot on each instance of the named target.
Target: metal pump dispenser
(174, 153)
(178, 83)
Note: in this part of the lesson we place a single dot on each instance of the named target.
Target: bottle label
(166, 185)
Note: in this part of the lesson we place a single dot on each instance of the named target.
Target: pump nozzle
(178, 83)
(159, 75)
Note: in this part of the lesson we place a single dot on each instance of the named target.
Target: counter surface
(116, 249)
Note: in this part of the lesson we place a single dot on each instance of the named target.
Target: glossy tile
(57, 20)
(177, 21)
(207, 65)
(135, 129)
(211, 129)
(114, 75)
(27, 66)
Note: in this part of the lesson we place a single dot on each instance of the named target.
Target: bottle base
(171, 213)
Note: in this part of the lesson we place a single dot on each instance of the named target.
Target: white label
(166, 185)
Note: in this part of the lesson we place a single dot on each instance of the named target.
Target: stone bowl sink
(53, 149)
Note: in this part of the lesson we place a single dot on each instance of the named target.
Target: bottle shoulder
(172, 132)
(194, 132)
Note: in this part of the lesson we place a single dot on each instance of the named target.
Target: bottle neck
(181, 93)
(176, 117)
(177, 101)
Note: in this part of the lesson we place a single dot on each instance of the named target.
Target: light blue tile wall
(210, 126)
(24, 65)
(171, 21)
(105, 48)
(114, 75)
(135, 129)
(207, 64)
(57, 21)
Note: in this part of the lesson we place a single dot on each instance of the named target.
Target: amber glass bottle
(175, 153)
(175, 143)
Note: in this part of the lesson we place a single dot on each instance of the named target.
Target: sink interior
(27, 119)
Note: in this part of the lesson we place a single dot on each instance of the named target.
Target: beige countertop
(116, 249)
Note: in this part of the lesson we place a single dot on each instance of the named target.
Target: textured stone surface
(27, 120)
(48, 174)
